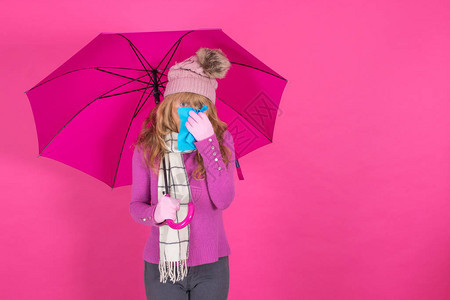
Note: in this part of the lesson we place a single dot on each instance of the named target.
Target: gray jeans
(208, 281)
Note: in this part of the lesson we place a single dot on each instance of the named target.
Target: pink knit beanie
(198, 73)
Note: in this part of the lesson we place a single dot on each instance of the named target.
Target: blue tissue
(185, 138)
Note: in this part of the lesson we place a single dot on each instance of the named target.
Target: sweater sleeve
(219, 178)
(141, 209)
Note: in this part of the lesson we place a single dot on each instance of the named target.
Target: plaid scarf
(173, 243)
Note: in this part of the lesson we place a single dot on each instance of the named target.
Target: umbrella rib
(134, 79)
(120, 75)
(82, 69)
(137, 112)
(121, 93)
(134, 48)
(100, 97)
(126, 92)
(128, 130)
(244, 118)
(177, 43)
(136, 51)
(245, 65)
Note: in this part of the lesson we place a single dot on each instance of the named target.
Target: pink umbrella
(90, 110)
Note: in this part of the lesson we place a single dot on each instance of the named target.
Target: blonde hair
(151, 142)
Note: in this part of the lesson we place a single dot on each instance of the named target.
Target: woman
(195, 258)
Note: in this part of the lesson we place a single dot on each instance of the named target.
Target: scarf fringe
(172, 268)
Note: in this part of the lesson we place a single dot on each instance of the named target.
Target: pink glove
(199, 125)
(166, 208)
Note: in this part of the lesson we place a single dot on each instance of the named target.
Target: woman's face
(179, 103)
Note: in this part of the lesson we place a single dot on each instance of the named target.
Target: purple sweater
(207, 240)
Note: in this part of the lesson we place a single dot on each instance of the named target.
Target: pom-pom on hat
(198, 73)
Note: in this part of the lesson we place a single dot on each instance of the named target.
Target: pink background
(351, 201)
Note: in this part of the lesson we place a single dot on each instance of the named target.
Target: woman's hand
(166, 209)
(199, 125)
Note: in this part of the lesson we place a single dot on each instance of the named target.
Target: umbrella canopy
(90, 110)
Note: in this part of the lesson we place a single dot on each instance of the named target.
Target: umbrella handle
(186, 221)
